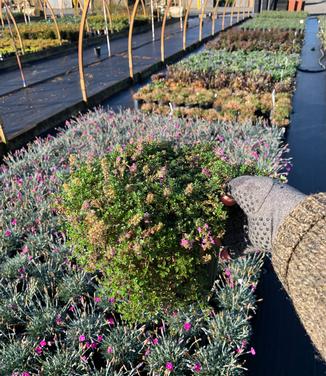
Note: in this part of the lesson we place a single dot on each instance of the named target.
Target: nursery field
(120, 252)
(242, 75)
(84, 305)
(41, 35)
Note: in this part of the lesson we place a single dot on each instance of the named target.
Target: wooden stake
(131, 28)
(214, 16)
(224, 12)
(163, 29)
(201, 21)
(80, 51)
(186, 25)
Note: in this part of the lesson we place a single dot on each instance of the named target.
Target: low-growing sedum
(53, 318)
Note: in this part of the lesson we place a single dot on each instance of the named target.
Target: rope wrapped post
(224, 12)
(214, 17)
(184, 36)
(163, 29)
(131, 28)
(201, 21)
(80, 51)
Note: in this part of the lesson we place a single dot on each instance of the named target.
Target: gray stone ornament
(266, 202)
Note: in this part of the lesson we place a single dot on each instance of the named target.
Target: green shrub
(148, 216)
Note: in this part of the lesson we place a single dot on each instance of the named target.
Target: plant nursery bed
(243, 75)
(114, 208)
(40, 44)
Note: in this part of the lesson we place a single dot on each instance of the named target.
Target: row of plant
(271, 20)
(251, 40)
(110, 244)
(222, 85)
(44, 34)
(322, 30)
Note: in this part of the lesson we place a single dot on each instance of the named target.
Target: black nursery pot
(97, 51)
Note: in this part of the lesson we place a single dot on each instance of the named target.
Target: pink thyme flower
(25, 249)
(197, 367)
(82, 338)
(133, 168)
(97, 299)
(25, 373)
(93, 345)
(109, 350)
(155, 341)
(110, 321)
(99, 338)
(169, 366)
(148, 351)
(252, 351)
(38, 350)
(7, 233)
(227, 273)
(43, 343)
(14, 221)
(111, 300)
(187, 326)
(206, 172)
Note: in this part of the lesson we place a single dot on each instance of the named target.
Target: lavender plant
(52, 313)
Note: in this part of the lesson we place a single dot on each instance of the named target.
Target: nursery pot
(97, 51)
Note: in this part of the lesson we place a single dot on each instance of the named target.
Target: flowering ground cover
(222, 85)
(40, 35)
(271, 20)
(56, 317)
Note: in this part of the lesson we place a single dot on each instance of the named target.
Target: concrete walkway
(55, 82)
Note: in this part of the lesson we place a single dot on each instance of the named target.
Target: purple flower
(206, 172)
(252, 351)
(155, 341)
(148, 351)
(169, 366)
(93, 345)
(43, 343)
(197, 367)
(25, 374)
(133, 168)
(187, 326)
(7, 233)
(110, 321)
(111, 300)
(82, 338)
(25, 249)
(109, 350)
(227, 273)
(14, 221)
(39, 350)
(97, 299)
(99, 338)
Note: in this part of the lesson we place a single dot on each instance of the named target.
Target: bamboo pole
(131, 28)
(47, 4)
(15, 47)
(144, 8)
(80, 51)
(128, 10)
(238, 10)
(1, 16)
(8, 11)
(163, 29)
(224, 12)
(248, 9)
(243, 9)
(106, 29)
(180, 14)
(184, 37)
(214, 16)
(44, 8)
(82, 9)
(3, 137)
(108, 11)
(201, 20)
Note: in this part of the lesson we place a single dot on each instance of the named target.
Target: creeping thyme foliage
(53, 318)
(148, 216)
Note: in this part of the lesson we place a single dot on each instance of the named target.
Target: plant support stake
(106, 29)
(152, 17)
(80, 51)
(131, 27)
